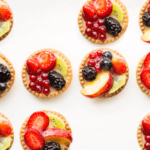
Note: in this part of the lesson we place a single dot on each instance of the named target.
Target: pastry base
(12, 71)
(83, 63)
(11, 21)
(23, 129)
(124, 26)
(12, 133)
(68, 80)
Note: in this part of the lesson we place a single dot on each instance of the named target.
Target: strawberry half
(5, 128)
(145, 77)
(32, 65)
(119, 66)
(146, 126)
(34, 139)
(38, 120)
(5, 12)
(147, 60)
(103, 8)
(88, 12)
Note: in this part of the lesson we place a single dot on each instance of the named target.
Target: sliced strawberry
(119, 65)
(38, 120)
(103, 8)
(5, 12)
(88, 12)
(147, 60)
(145, 77)
(146, 126)
(34, 139)
(32, 66)
(5, 128)
(46, 60)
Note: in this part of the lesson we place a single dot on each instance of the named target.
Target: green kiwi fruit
(4, 27)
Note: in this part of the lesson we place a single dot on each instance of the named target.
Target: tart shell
(12, 133)
(12, 71)
(124, 26)
(83, 63)
(23, 129)
(68, 80)
(11, 21)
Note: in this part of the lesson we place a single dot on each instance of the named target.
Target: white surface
(96, 124)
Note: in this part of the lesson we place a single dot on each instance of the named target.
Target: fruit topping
(146, 19)
(102, 37)
(89, 73)
(88, 12)
(46, 61)
(99, 53)
(91, 63)
(146, 36)
(147, 146)
(38, 88)
(146, 126)
(5, 12)
(57, 135)
(112, 26)
(106, 63)
(34, 139)
(4, 28)
(56, 80)
(101, 22)
(88, 31)
(5, 74)
(92, 55)
(5, 128)
(51, 146)
(119, 66)
(38, 120)
(147, 60)
(103, 8)
(145, 77)
(3, 86)
(102, 30)
(107, 54)
(94, 35)
(32, 66)
(5, 142)
(32, 85)
(147, 138)
(148, 8)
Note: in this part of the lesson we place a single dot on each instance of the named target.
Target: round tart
(6, 19)
(47, 73)
(7, 75)
(6, 133)
(49, 129)
(103, 73)
(103, 21)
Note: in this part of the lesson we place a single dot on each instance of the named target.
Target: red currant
(32, 85)
(44, 76)
(91, 63)
(46, 84)
(99, 53)
(39, 80)
(147, 146)
(147, 138)
(102, 37)
(46, 91)
(92, 55)
(102, 30)
(148, 8)
(101, 22)
(97, 60)
(95, 17)
(33, 78)
(88, 31)
(38, 89)
(94, 35)
(39, 71)
(97, 67)
(89, 24)
(95, 27)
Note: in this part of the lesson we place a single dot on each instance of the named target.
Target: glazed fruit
(107, 54)
(3, 86)
(5, 128)
(51, 146)
(5, 143)
(147, 60)
(32, 66)
(146, 126)
(56, 80)
(106, 64)
(5, 12)
(145, 77)
(146, 19)
(148, 8)
(88, 12)
(89, 73)
(5, 74)
(112, 26)
(146, 36)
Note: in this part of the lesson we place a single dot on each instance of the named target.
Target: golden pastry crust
(68, 80)
(12, 71)
(124, 26)
(12, 133)
(83, 63)
(67, 128)
(140, 134)
(11, 22)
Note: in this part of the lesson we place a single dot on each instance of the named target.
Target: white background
(97, 124)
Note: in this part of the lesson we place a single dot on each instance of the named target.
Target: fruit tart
(6, 19)
(6, 133)
(103, 21)
(45, 130)
(103, 73)
(7, 75)
(47, 73)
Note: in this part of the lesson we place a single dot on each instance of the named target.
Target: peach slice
(96, 88)
(146, 36)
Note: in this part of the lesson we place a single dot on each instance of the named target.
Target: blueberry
(3, 87)
(146, 19)
(107, 54)
(106, 64)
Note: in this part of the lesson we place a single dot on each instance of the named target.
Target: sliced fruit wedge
(146, 36)
(4, 27)
(5, 142)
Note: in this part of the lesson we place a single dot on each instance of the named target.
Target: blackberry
(3, 86)
(106, 64)
(107, 54)
(5, 74)
(56, 80)
(112, 26)
(146, 19)
(89, 73)
(51, 146)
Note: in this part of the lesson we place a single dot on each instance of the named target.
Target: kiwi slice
(119, 81)
(4, 142)
(118, 12)
(56, 122)
(4, 27)
(61, 66)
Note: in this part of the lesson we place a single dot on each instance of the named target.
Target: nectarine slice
(146, 36)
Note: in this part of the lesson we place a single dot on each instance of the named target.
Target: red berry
(97, 67)
(94, 35)
(38, 120)
(147, 60)
(99, 53)
(46, 84)
(95, 27)
(39, 71)
(88, 31)
(97, 60)
(46, 91)
(88, 12)
(101, 22)
(5, 128)
(32, 66)
(33, 78)
(5, 12)
(91, 63)
(102, 37)
(32, 85)
(148, 8)
(147, 146)
(146, 126)
(145, 77)
(44, 76)
(92, 55)
(38, 89)
(95, 17)
(147, 138)
(102, 30)
(34, 139)
(39, 80)
(89, 24)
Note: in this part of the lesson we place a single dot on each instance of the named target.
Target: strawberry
(146, 126)
(145, 77)
(32, 65)
(5, 128)
(103, 8)
(88, 12)
(38, 120)
(34, 139)
(5, 12)
(46, 60)
(119, 66)
(147, 60)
